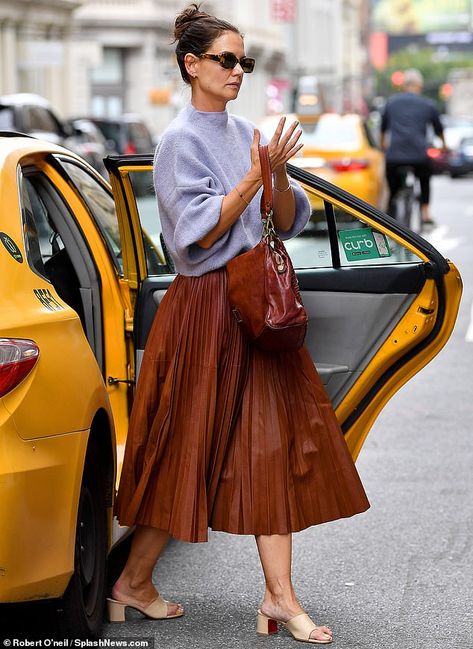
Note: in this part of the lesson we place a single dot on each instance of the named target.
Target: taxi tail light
(349, 164)
(17, 358)
(129, 148)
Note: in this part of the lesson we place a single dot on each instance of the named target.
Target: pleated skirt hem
(202, 536)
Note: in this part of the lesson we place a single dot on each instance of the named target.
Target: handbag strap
(267, 195)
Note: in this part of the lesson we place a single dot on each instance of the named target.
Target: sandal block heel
(265, 625)
(116, 611)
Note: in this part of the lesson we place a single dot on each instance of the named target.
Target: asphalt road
(399, 575)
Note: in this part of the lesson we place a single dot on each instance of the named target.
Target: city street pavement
(399, 575)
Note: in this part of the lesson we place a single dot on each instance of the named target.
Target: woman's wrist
(281, 191)
(281, 182)
(248, 186)
(254, 176)
(241, 195)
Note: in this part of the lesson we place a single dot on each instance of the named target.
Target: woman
(221, 434)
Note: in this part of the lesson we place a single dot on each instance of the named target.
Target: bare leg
(135, 584)
(280, 601)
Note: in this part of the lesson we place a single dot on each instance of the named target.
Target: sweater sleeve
(190, 195)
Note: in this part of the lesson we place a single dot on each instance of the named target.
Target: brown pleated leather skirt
(225, 436)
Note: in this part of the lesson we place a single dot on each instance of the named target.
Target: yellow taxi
(83, 268)
(339, 148)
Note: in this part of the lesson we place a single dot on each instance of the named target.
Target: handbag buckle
(268, 226)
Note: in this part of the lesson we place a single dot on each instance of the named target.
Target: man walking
(406, 117)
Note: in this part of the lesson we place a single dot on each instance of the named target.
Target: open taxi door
(381, 300)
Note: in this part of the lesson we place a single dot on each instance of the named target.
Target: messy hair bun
(195, 31)
(185, 18)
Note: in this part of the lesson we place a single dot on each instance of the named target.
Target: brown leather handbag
(262, 287)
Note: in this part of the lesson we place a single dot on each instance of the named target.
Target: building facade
(138, 71)
(328, 52)
(106, 57)
(36, 49)
(130, 68)
(354, 54)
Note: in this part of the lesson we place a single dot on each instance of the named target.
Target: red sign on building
(283, 11)
(378, 50)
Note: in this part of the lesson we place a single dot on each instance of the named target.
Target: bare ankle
(280, 596)
(283, 599)
(280, 587)
(127, 584)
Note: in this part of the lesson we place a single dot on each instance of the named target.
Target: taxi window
(41, 237)
(101, 206)
(158, 260)
(350, 243)
(361, 245)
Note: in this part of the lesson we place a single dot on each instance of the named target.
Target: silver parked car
(33, 115)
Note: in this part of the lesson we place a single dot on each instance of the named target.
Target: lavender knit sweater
(200, 158)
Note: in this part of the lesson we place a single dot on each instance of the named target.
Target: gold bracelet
(241, 196)
(281, 191)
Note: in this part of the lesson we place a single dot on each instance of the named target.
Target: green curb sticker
(363, 243)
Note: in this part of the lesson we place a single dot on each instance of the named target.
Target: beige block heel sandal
(157, 610)
(300, 626)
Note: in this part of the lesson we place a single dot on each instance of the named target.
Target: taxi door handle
(111, 380)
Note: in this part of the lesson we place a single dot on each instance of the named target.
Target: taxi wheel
(80, 612)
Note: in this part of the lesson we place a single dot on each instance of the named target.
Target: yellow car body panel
(74, 372)
(367, 184)
(39, 487)
(43, 440)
